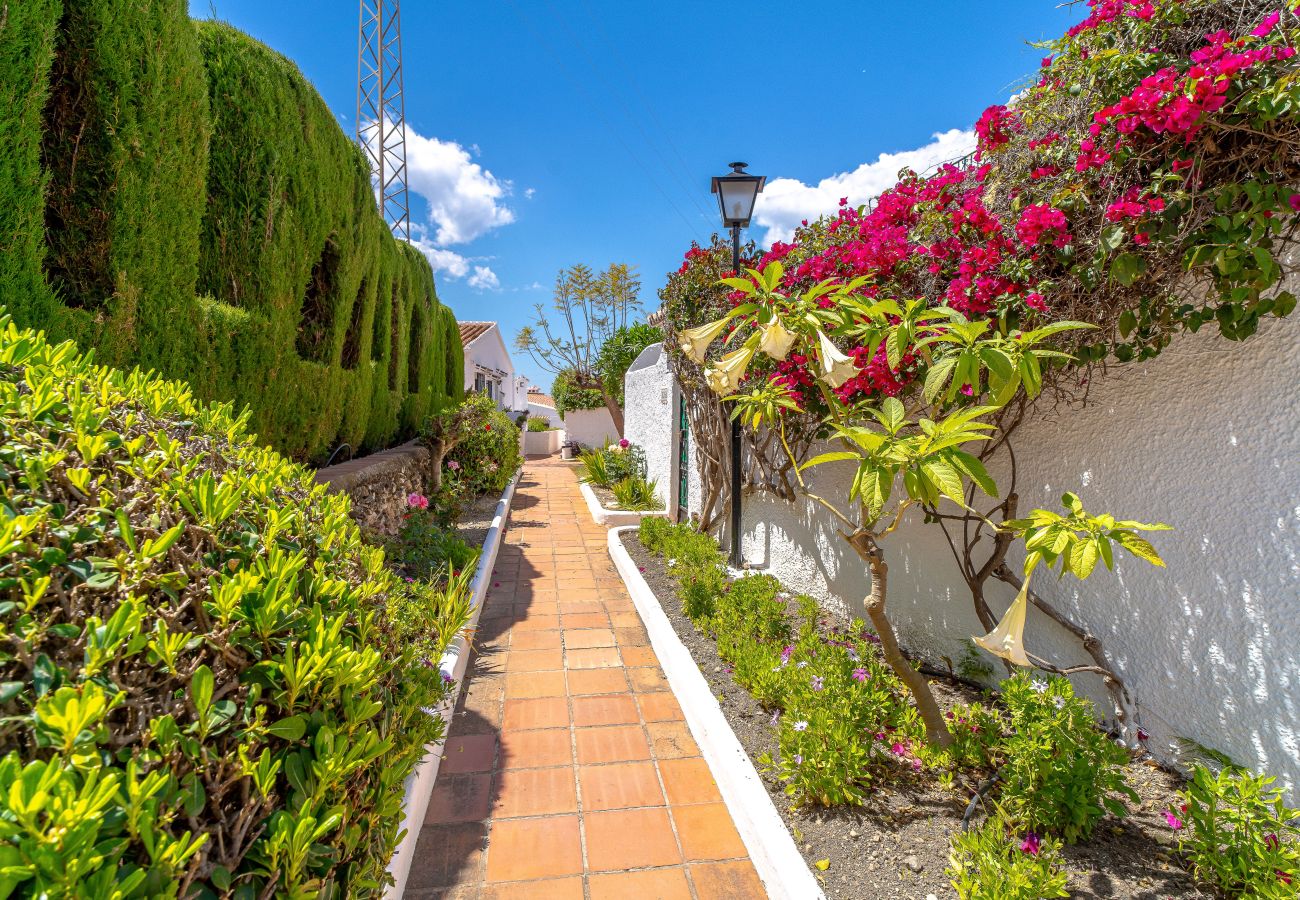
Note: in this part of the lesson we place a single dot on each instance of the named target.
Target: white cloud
(465, 200)
(484, 279)
(786, 201)
(529, 193)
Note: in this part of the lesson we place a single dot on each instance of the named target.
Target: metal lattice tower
(381, 109)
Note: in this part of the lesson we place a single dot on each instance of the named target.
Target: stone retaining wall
(380, 483)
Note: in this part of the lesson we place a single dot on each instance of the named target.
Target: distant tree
(588, 310)
(619, 352)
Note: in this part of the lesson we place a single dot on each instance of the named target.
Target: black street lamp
(737, 193)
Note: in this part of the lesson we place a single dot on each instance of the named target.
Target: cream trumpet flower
(836, 367)
(1007, 640)
(776, 341)
(724, 376)
(695, 341)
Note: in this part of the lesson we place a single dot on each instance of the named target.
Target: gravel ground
(896, 847)
(475, 520)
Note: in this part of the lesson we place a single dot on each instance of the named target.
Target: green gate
(683, 460)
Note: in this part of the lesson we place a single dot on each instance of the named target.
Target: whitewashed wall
(590, 427)
(542, 411)
(650, 419)
(1205, 438)
(487, 353)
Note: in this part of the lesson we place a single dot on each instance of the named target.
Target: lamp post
(737, 193)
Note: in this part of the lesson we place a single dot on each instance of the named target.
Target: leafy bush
(537, 423)
(486, 455)
(613, 463)
(569, 395)
(618, 353)
(209, 684)
(635, 493)
(1237, 834)
(1060, 773)
(992, 863)
(426, 547)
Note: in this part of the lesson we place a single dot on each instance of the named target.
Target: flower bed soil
(476, 518)
(896, 847)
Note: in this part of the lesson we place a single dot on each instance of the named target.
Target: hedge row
(206, 217)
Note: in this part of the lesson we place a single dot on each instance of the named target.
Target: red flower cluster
(1109, 10)
(1177, 103)
(995, 128)
(1043, 223)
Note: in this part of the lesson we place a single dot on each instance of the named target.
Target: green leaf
(1127, 322)
(291, 728)
(1139, 547)
(836, 456)
(1083, 557)
(937, 377)
(1127, 268)
(201, 685)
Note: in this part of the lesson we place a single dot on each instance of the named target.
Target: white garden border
(612, 518)
(419, 784)
(784, 872)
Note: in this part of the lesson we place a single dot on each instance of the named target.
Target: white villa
(488, 367)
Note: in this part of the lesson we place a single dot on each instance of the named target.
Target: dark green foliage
(569, 395)
(209, 685)
(207, 218)
(618, 353)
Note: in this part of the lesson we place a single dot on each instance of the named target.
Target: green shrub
(486, 455)
(595, 468)
(1061, 773)
(1237, 834)
(425, 547)
(993, 863)
(209, 684)
(537, 423)
(569, 396)
(618, 353)
(637, 494)
(608, 465)
(178, 196)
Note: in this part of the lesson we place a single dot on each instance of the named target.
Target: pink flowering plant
(1236, 832)
(997, 861)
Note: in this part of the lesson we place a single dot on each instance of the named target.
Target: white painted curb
(419, 785)
(612, 518)
(784, 873)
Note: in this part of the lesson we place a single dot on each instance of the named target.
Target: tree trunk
(936, 730)
(615, 412)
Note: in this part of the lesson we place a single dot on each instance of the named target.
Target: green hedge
(207, 218)
(209, 684)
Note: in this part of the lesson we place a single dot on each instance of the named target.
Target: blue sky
(550, 132)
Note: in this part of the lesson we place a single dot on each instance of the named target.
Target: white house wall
(1204, 438)
(542, 411)
(649, 413)
(488, 351)
(590, 427)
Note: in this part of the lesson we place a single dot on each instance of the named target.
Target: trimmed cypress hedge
(206, 217)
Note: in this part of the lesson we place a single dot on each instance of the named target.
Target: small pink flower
(1174, 822)
(1030, 844)
(625, 443)
(1269, 23)
(860, 675)
(454, 466)
(418, 501)
(1294, 200)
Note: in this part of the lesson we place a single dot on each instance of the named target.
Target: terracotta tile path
(569, 772)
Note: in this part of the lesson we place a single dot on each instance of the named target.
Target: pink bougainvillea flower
(898, 749)
(624, 443)
(1269, 23)
(1030, 844)
(1294, 200)
(1174, 822)
(1036, 301)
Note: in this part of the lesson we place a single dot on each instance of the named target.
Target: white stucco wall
(1204, 438)
(542, 411)
(650, 419)
(590, 427)
(488, 353)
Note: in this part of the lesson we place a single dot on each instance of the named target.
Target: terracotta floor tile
(627, 839)
(535, 684)
(671, 740)
(648, 884)
(586, 638)
(537, 623)
(618, 743)
(520, 849)
(661, 707)
(545, 712)
(625, 619)
(538, 792)
(535, 640)
(534, 660)
(468, 753)
(581, 607)
(727, 881)
(620, 786)
(595, 658)
(632, 637)
(689, 781)
(550, 889)
(446, 855)
(536, 749)
(707, 833)
(459, 798)
(639, 656)
(645, 680)
(605, 709)
(584, 620)
(597, 681)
